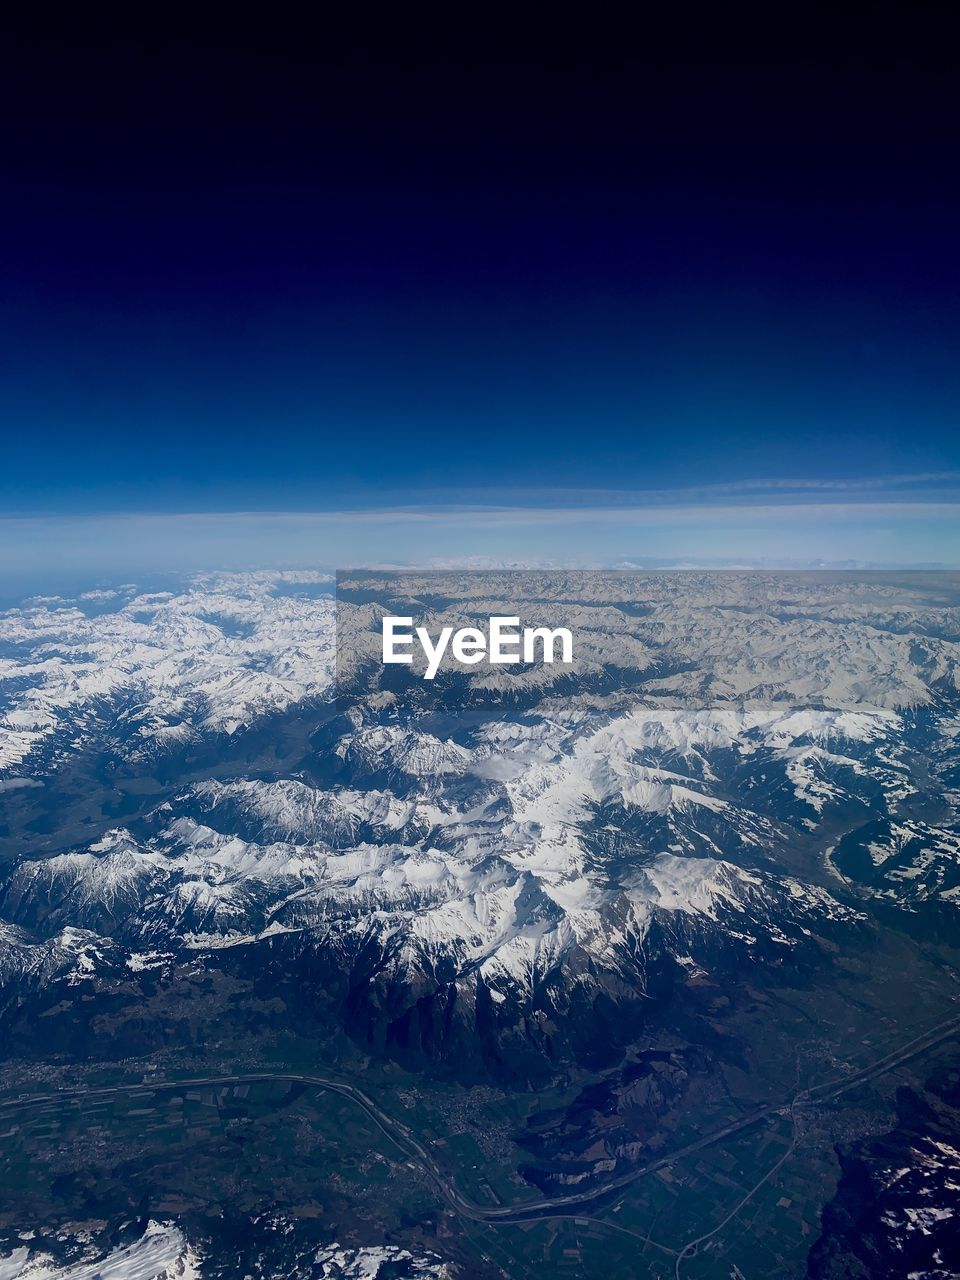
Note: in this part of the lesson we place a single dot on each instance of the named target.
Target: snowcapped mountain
(145, 672)
(909, 866)
(69, 953)
(163, 1251)
(558, 862)
(896, 1205)
(160, 1253)
(736, 767)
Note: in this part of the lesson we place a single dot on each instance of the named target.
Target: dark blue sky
(248, 270)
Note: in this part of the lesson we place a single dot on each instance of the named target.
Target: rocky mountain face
(895, 1211)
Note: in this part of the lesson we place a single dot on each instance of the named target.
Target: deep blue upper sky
(247, 271)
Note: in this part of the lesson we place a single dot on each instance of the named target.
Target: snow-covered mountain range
(738, 765)
(162, 1251)
(154, 669)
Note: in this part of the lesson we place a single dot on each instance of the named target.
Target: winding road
(574, 1205)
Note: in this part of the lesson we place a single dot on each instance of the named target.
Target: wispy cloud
(928, 486)
(868, 526)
